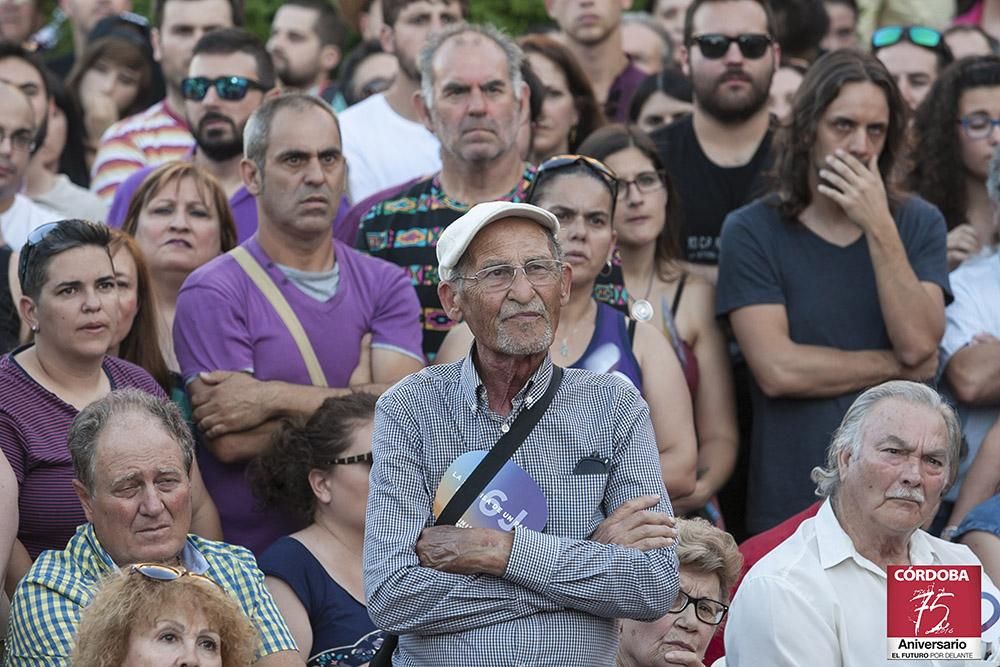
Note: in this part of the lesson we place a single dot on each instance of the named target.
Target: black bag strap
(501, 452)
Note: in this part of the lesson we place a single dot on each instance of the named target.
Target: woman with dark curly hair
(954, 136)
(318, 469)
(153, 614)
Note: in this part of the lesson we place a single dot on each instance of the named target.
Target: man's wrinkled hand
(228, 402)
(634, 525)
(464, 550)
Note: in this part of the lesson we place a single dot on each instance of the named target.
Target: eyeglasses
(539, 272)
(160, 572)
(706, 609)
(232, 88)
(715, 45)
(367, 457)
(978, 125)
(557, 162)
(929, 38)
(645, 182)
(34, 238)
(20, 140)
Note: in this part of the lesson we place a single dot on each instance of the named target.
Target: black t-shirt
(707, 191)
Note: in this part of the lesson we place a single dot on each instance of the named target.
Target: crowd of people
(391, 338)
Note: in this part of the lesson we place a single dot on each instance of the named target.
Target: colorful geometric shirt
(50, 599)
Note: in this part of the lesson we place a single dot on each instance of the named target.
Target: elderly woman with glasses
(317, 469)
(71, 304)
(710, 563)
(581, 192)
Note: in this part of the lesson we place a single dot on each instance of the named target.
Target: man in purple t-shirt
(244, 369)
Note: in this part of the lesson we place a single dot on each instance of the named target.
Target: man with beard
(229, 77)
(376, 129)
(290, 318)
(832, 283)
(717, 154)
(473, 97)
(160, 134)
(592, 30)
(306, 43)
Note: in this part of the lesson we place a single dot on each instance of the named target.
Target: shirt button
(504, 428)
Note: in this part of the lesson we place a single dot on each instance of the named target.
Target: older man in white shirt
(819, 599)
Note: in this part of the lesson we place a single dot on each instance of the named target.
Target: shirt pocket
(578, 508)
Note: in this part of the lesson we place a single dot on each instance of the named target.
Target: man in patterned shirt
(132, 454)
(546, 595)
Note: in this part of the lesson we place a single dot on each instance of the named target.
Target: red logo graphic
(941, 601)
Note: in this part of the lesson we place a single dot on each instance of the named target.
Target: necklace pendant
(641, 310)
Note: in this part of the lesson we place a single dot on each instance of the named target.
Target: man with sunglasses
(914, 55)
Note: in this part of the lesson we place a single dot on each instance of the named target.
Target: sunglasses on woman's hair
(929, 38)
(232, 88)
(558, 162)
(715, 45)
(160, 572)
(36, 236)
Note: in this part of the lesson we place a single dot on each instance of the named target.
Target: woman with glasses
(710, 564)
(679, 304)
(151, 614)
(70, 302)
(317, 469)
(955, 134)
(581, 192)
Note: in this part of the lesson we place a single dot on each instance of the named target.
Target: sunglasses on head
(715, 45)
(233, 88)
(929, 38)
(36, 236)
(557, 162)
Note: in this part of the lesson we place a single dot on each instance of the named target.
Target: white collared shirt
(814, 601)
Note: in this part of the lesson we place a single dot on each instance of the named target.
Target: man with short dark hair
(831, 284)
(20, 19)
(914, 55)
(160, 133)
(307, 42)
(843, 30)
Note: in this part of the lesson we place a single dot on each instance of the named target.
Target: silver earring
(34, 328)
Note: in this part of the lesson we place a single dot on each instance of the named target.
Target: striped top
(34, 424)
(147, 139)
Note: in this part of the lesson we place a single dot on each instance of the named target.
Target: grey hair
(642, 18)
(993, 177)
(88, 426)
(708, 550)
(454, 277)
(849, 434)
(515, 57)
(257, 132)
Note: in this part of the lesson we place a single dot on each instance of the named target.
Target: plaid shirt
(50, 599)
(559, 598)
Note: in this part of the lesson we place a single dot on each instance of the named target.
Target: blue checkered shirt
(559, 598)
(50, 599)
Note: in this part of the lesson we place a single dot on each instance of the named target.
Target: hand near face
(963, 242)
(857, 188)
(228, 402)
(465, 550)
(632, 525)
(99, 113)
(682, 658)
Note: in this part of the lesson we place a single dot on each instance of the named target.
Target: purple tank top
(610, 348)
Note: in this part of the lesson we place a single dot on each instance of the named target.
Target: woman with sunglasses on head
(152, 615)
(679, 304)
(318, 469)
(956, 133)
(70, 302)
(914, 55)
(581, 193)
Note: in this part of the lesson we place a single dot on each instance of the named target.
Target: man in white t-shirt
(384, 141)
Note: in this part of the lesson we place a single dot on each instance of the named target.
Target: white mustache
(510, 309)
(905, 493)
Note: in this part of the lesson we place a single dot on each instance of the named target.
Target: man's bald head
(14, 99)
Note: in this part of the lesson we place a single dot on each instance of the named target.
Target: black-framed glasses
(645, 182)
(367, 457)
(978, 125)
(715, 45)
(557, 162)
(20, 140)
(929, 38)
(232, 88)
(499, 278)
(36, 236)
(161, 572)
(706, 609)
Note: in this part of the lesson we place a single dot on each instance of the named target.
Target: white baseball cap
(455, 239)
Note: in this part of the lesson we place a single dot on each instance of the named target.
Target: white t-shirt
(22, 217)
(69, 200)
(814, 601)
(383, 148)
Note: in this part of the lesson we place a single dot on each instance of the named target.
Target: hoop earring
(608, 268)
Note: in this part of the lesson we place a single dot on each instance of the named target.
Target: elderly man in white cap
(574, 532)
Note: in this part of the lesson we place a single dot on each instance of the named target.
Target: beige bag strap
(267, 287)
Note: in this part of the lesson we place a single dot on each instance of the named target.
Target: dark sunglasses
(233, 88)
(557, 162)
(36, 236)
(929, 38)
(715, 45)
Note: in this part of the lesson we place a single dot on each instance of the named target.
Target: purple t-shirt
(224, 322)
(620, 95)
(34, 424)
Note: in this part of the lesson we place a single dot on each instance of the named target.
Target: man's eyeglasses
(706, 609)
(367, 457)
(160, 572)
(929, 38)
(539, 272)
(34, 238)
(715, 45)
(232, 88)
(645, 182)
(20, 140)
(558, 162)
(978, 125)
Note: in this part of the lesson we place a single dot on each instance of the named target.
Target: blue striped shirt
(559, 598)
